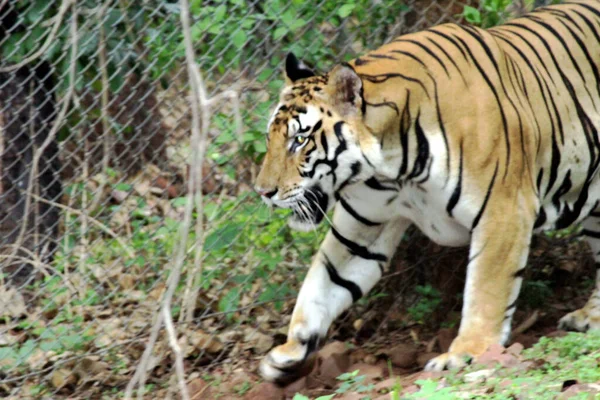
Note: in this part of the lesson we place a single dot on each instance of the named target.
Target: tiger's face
(317, 143)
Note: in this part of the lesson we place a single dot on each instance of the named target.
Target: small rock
(370, 359)
(119, 195)
(403, 356)
(295, 387)
(515, 349)
(358, 324)
(479, 376)
(574, 391)
(508, 360)
(333, 367)
(336, 347)
(263, 391)
(445, 337)
(371, 372)
(491, 356)
(424, 357)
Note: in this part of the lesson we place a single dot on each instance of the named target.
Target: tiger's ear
(295, 69)
(346, 91)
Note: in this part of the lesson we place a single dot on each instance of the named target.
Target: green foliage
(493, 12)
(429, 299)
(535, 293)
(352, 382)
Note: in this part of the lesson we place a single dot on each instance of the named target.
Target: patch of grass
(429, 299)
(540, 374)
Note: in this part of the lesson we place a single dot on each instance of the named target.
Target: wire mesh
(85, 249)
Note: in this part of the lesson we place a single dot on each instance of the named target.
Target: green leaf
(346, 10)
(219, 13)
(239, 38)
(280, 32)
(472, 15)
(230, 301)
(222, 237)
(299, 396)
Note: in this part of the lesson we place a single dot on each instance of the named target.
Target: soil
(372, 340)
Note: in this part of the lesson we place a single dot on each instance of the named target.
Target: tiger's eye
(300, 139)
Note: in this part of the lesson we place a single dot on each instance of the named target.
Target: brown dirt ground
(366, 337)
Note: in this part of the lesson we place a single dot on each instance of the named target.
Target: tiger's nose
(268, 193)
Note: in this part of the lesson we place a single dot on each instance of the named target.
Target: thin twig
(60, 119)
(64, 6)
(93, 220)
(528, 323)
(106, 129)
(177, 350)
(139, 378)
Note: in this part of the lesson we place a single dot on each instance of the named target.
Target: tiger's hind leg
(588, 317)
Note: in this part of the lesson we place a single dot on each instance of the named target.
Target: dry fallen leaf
(62, 377)
(203, 341)
(258, 341)
(12, 303)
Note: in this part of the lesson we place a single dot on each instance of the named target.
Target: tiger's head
(317, 142)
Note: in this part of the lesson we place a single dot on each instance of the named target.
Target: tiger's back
(522, 97)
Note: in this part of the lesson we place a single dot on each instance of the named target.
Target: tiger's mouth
(309, 209)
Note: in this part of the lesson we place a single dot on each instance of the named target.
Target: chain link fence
(95, 140)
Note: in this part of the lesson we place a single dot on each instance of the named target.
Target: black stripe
(589, 233)
(449, 58)
(376, 185)
(355, 169)
(562, 190)
(409, 55)
(428, 51)
(456, 193)
(422, 150)
(356, 249)
(443, 130)
(487, 197)
(317, 126)
(352, 287)
(519, 273)
(541, 218)
(389, 104)
(356, 215)
(382, 56)
(384, 77)
(512, 305)
(404, 129)
(451, 40)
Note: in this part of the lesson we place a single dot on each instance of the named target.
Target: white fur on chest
(422, 205)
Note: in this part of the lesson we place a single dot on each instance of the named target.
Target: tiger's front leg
(350, 261)
(498, 254)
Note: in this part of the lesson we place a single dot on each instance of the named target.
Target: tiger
(478, 137)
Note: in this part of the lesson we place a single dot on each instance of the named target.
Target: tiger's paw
(288, 362)
(582, 320)
(448, 361)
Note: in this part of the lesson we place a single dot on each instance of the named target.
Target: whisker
(316, 202)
